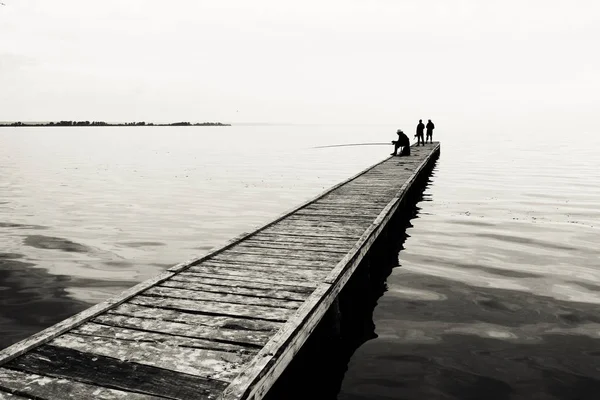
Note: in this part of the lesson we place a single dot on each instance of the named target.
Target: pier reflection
(318, 370)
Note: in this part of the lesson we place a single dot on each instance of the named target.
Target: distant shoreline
(102, 123)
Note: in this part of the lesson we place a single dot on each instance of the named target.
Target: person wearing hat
(403, 142)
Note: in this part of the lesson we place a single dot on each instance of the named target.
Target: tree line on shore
(102, 123)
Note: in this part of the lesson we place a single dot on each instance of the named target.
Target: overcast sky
(326, 61)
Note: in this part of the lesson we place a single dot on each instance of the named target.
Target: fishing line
(352, 144)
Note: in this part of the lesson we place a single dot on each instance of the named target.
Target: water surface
(495, 292)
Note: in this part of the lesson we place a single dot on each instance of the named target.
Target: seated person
(403, 142)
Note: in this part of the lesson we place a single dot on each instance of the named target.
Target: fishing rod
(352, 144)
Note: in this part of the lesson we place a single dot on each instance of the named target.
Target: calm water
(497, 290)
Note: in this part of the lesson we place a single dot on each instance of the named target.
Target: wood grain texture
(292, 277)
(111, 329)
(50, 388)
(228, 281)
(205, 307)
(336, 247)
(265, 292)
(108, 372)
(180, 293)
(230, 333)
(11, 396)
(214, 364)
(250, 279)
(222, 322)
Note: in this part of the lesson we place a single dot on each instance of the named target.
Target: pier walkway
(225, 325)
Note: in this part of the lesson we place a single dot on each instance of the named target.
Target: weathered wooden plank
(279, 256)
(45, 387)
(287, 275)
(357, 192)
(325, 212)
(335, 226)
(357, 219)
(299, 246)
(249, 278)
(290, 274)
(180, 293)
(10, 396)
(55, 330)
(304, 239)
(231, 332)
(272, 264)
(261, 373)
(221, 280)
(343, 270)
(298, 252)
(224, 322)
(299, 230)
(350, 204)
(212, 364)
(271, 258)
(235, 310)
(269, 292)
(109, 372)
(137, 334)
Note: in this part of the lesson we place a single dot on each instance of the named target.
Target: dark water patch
(472, 222)
(529, 241)
(10, 256)
(162, 265)
(472, 304)
(32, 300)
(141, 244)
(54, 243)
(494, 271)
(120, 264)
(471, 367)
(589, 286)
(21, 226)
(97, 283)
(497, 305)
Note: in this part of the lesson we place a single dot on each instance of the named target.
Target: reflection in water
(54, 243)
(409, 335)
(499, 278)
(31, 299)
(318, 370)
(477, 343)
(457, 336)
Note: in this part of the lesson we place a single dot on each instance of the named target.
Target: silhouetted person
(429, 127)
(419, 135)
(403, 142)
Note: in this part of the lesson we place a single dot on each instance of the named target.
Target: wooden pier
(225, 325)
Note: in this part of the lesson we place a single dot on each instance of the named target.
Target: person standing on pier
(429, 127)
(419, 135)
(403, 142)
